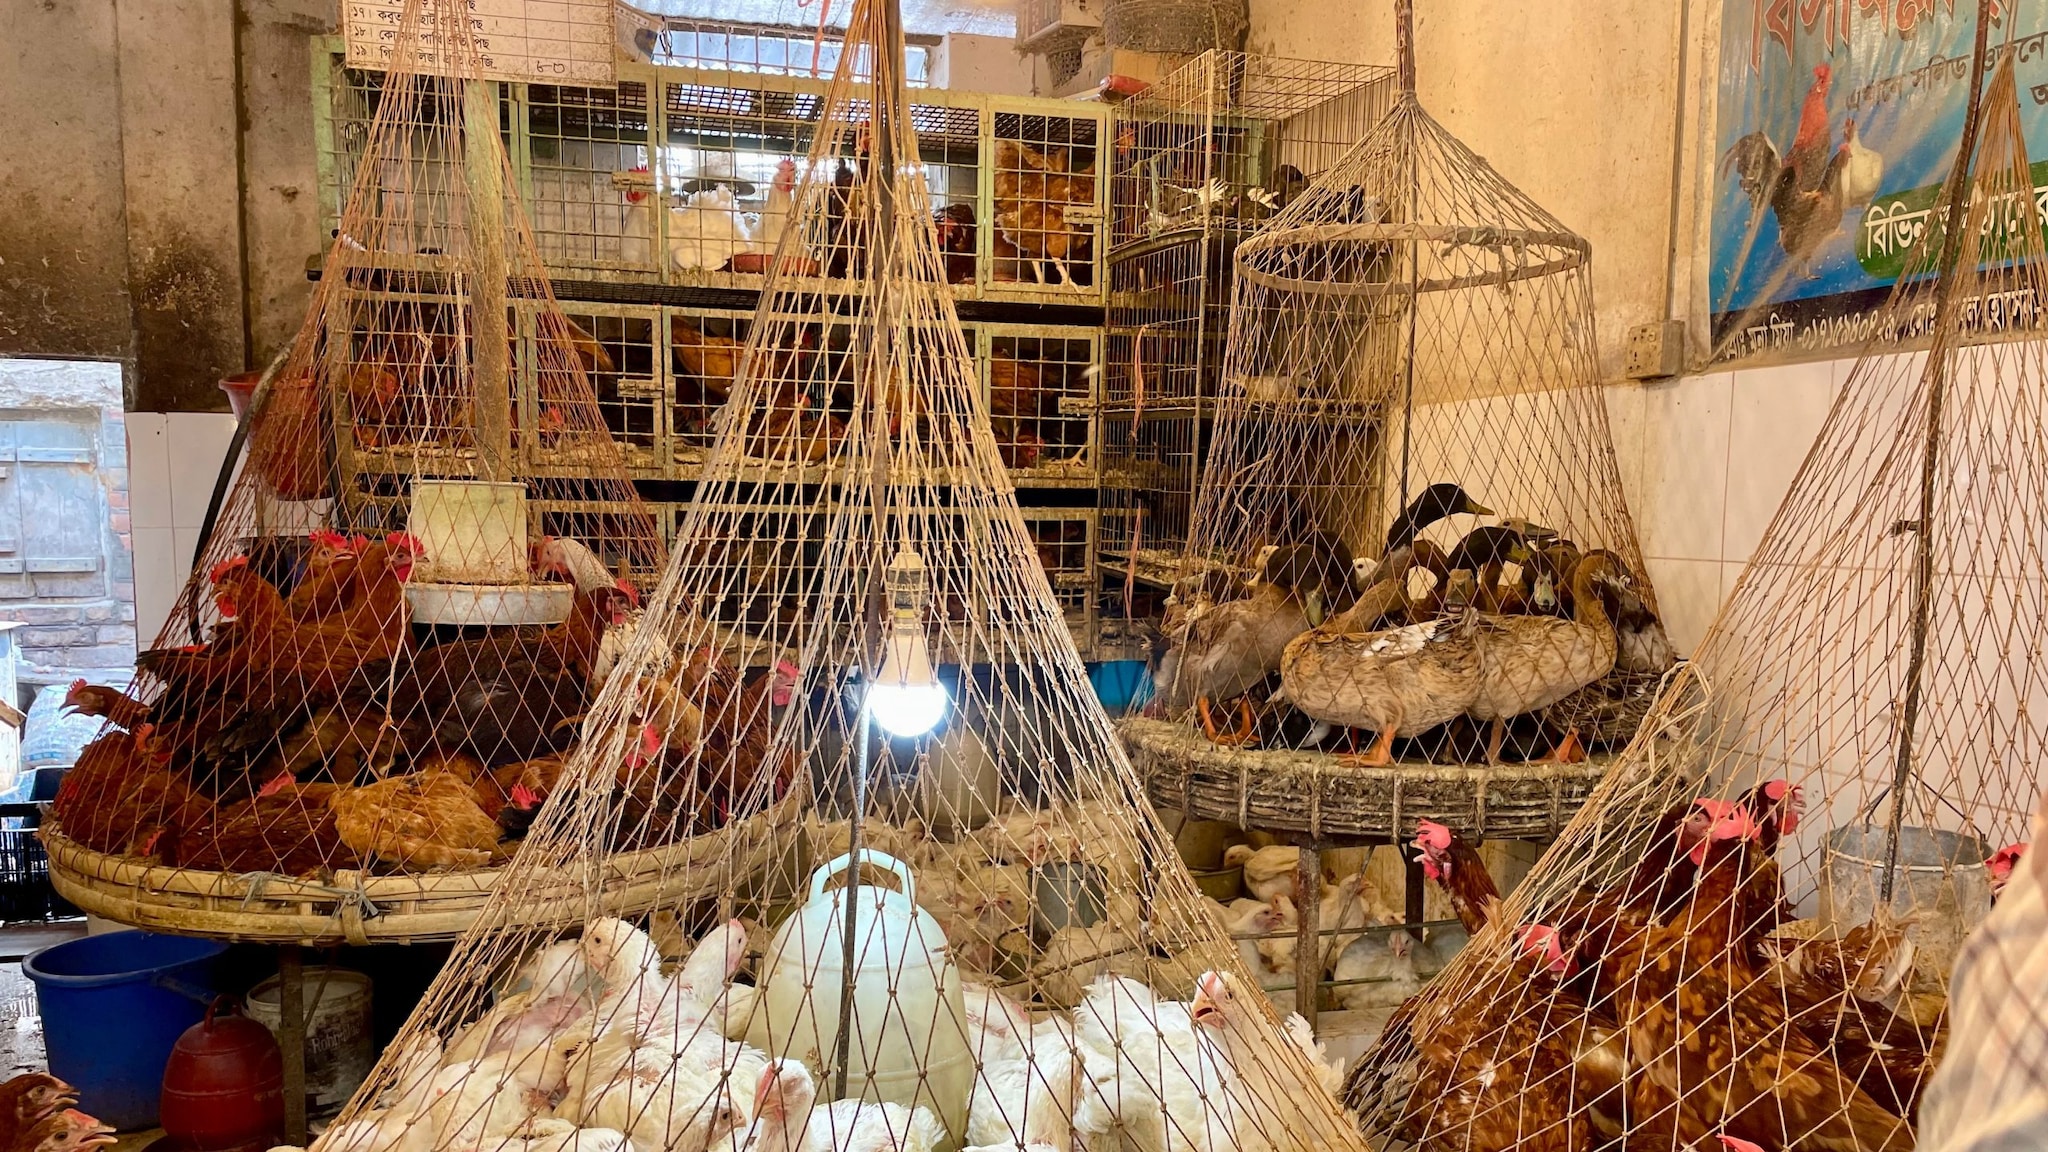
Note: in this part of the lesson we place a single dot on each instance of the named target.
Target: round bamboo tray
(1316, 794)
(360, 908)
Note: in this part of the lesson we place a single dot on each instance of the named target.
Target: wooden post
(491, 363)
(291, 1037)
(1412, 890)
(1308, 944)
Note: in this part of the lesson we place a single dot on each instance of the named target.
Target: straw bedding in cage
(359, 908)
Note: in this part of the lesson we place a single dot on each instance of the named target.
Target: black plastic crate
(25, 892)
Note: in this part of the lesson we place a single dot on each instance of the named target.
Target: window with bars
(771, 51)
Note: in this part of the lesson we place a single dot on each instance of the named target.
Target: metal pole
(886, 109)
(1930, 451)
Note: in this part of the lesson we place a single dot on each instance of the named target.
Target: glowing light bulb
(906, 698)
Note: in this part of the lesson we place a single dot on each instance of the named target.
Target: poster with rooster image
(1837, 122)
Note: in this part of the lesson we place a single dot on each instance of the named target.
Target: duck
(1484, 552)
(1230, 648)
(1392, 594)
(1640, 643)
(1529, 662)
(1400, 681)
(1434, 503)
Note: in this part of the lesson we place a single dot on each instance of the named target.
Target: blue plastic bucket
(1121, 685)
(112, 1007)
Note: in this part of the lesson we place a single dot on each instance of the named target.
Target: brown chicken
(1457, 869)
(1837, 992)
(701, 750)
(68, 1130)
(1712, 1048)
(1017, 401)
(711, 362)
(1034, 190)
(276, 660)
(1540, 1071)
(286, 827)
(28, 1099)
(121, 798)
(111, 704)
(330, 571)
(507, 697)
(418, 822)
(954, 225)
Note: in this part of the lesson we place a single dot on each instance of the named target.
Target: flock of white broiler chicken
(592, 1048)
(708, 229)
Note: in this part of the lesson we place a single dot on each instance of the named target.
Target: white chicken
(1027, 1098)
(1386, 967)
(1244, 918)
(708, 230)
(551, 1135)
(1263, 1094)
(977, 907)
(786, 1119)
(660, 1009)
(1864, 170)
(776, 213)
(677, 1100)
(1151, 1075)
(1268, 872)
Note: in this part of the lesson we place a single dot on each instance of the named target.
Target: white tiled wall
(173, 458)
(1705, 461)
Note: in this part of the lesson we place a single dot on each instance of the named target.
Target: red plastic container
(224, 1085)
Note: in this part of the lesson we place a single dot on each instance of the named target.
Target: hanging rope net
(929, 906)
(1747, 934)
(428, 562)
(1410, 546)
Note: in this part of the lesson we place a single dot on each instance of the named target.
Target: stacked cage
(941, 913)
(657, 202)
(421, 576)
(1203, 158)
(1746, 936)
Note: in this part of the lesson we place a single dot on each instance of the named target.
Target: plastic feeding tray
(493, 605)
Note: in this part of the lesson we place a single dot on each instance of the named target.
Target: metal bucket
(339, 1045)
(1066, 895)
(1940, 882)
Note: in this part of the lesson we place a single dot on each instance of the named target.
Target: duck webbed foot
(1237, 737)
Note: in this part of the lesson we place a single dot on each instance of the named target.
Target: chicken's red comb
(631, 593)
(1715, 809)
(327, 538)
(220, 570)
(276, 784)
(1430, 834)
(405, 540)
(79, 685)
(1735, 824)
(1738, 1144)
(358, 542)
(1540, 942)
(2003, 860)
(523, 798)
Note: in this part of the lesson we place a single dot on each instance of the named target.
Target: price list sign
(545, 41)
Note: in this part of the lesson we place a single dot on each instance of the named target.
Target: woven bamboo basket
(1317, 794)
(360, 908)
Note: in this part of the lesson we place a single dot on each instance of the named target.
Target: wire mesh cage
(588, 152)
(943, 914)
(1411, 346)
(1202, 157)
(421, 575)
(1746, 936)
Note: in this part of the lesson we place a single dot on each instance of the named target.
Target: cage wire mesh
(413, 589)
(1202, 158)
(1748, 932)
(1411, 520)
(935, 908)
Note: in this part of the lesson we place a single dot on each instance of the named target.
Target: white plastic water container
(909, 1048)
(472, 531)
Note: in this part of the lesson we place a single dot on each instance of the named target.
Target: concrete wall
(158, 183)
(982, 64)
